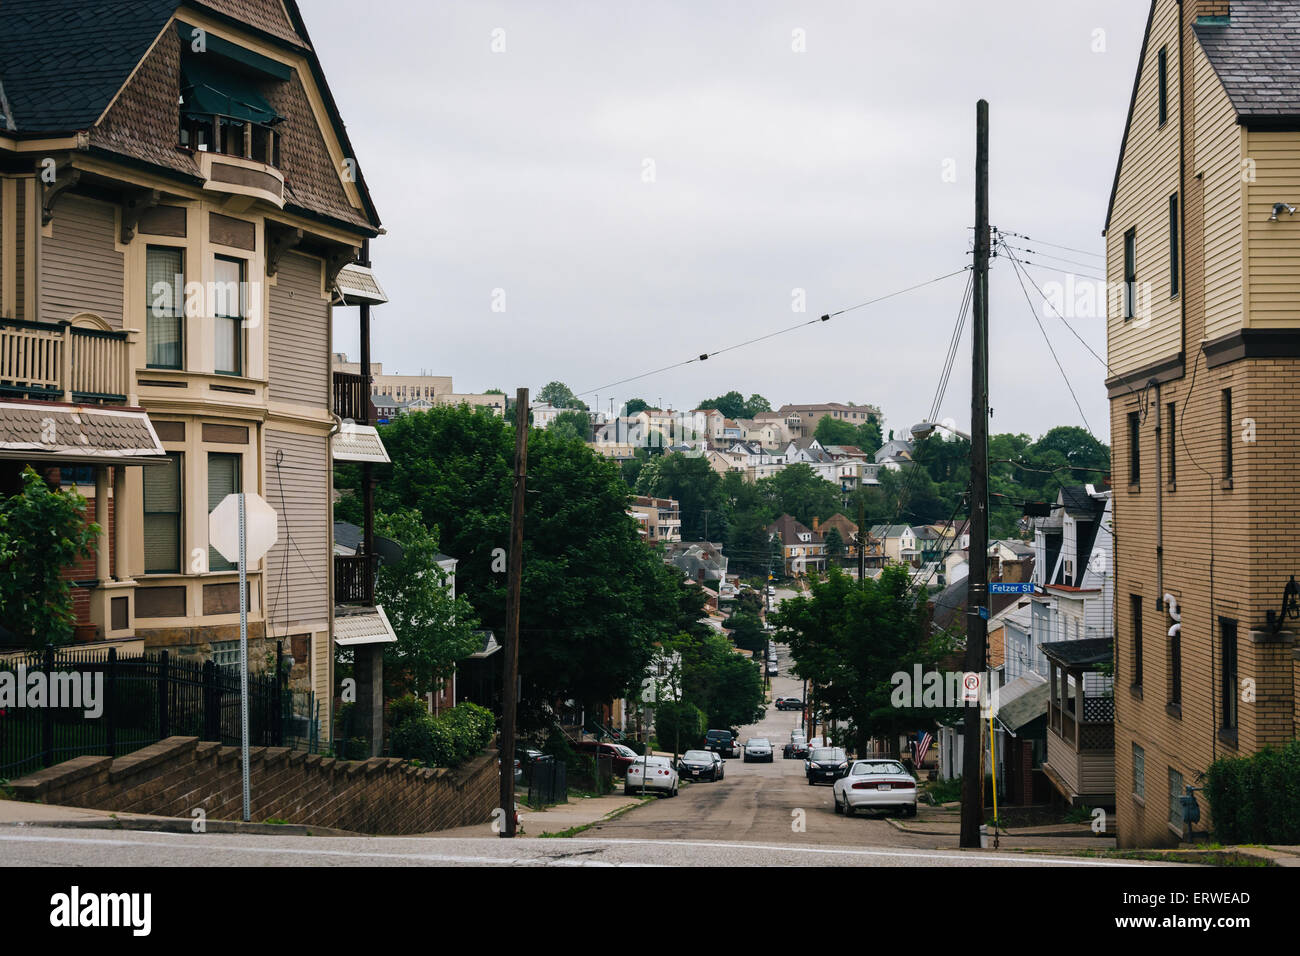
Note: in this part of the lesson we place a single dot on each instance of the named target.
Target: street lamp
(924, 429)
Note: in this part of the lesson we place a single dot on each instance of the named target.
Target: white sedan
(876, 784)
(651, 774)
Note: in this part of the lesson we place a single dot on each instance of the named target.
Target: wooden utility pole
(972, 780)
(514, 576)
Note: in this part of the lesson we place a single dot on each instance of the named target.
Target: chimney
(816, 522)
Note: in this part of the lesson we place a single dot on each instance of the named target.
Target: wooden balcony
(65, 362)
(352, 398)
(354, 578)
(1080, 723)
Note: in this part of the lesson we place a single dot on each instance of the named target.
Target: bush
(447, 740)
(404, 708)
(679, 726)
(1256, 799)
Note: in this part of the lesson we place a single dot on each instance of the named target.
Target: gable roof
(1256, 54)
(112, 68)
(1128, 117)
(789, 528)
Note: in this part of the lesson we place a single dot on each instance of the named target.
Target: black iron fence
(57, 706)
(547, 782)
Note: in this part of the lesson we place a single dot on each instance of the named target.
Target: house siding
(1219, 144)
(298, 565)
(299, 334)
(81, 270)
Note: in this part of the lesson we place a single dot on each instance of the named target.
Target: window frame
(178, 317)
(1130, 274)
(1171, 412)
(239, 319)
(1135, 620)
(1139, 771)
(1176, 792)
(1134, 449)
(1162, 87)
(1229, 662)
(1225, 400)
(215, 561)
(178, 459)
(1174, 287)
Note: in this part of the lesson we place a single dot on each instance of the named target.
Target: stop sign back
(260, 527)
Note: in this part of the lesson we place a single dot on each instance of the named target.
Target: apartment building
(1203, 255)
(395, 395)
(660, 518)
(179, 214)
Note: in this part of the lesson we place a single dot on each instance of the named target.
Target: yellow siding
(1219, 144)
(1273, 248)
(1147, 178)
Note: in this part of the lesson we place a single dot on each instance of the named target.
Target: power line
(1021, 235)
(1064, 376)
(824, 318)
(1046, 255)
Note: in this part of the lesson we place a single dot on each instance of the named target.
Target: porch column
(1078, 710)
(121, 571)
(101, 518)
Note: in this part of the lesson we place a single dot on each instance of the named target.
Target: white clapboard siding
(299, 333)
(80, 269)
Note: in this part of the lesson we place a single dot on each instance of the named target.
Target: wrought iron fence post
(164, 724)
(110, 705)
(47, 722)
(277, 713)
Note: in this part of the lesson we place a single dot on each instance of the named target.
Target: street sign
(970, 687)
(260, 521)
(243, 528)
(998, 587)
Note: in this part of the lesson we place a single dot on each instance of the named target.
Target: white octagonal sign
(260, 522)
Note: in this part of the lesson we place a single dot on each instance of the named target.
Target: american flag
(922, 744)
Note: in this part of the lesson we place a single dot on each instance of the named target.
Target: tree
(694, 485)
(679, 725)
(724, 684)
(747, 631)
(434, 630)
(572, 424)
(835, 431)
(560, 396)
(850, 638)
(734, 405)
(594, 599)
(799, 491)
(635, 405)
(834, 544)
(42, 533)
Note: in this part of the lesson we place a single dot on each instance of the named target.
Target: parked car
(797, 747)
(700, 765)
(758, 748)
(648, 774)
(723, 742)
(876, 784)
(620, 755)
(789, 703)
(826, 763)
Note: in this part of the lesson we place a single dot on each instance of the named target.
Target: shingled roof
(112, 68)
(1256, 54)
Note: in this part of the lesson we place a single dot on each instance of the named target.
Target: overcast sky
(526, 171)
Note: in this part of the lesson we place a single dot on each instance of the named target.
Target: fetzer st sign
(242, 529)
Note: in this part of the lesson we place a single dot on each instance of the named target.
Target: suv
(789, 703)
(826, 763)
(722, 742)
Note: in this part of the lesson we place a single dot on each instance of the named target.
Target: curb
(181, 825)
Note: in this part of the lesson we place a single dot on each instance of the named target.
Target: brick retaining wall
(180, 774)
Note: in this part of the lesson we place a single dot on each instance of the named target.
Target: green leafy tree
(572, 424)
(561, 396)
(835, 431)
(42, 532)
(747, 631)
(734, 405)
(834, 544)
(679, 726)
(695, 486)
(594, 599)
(635, 405)
(849, 639)
(725, 685)
(434, 630)
(799, 491)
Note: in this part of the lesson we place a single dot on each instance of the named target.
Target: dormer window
(223, 106)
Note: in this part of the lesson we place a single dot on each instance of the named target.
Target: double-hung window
(223, 479)
(165, 292)
(228, 315)
(162, 516)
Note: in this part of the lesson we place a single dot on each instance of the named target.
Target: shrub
(447, 740)
(1256, 799)
(404, 708)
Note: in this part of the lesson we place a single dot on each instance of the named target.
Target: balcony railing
(352, 398)
(62, 362)
(354, 578)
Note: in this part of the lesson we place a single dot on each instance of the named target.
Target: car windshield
(700, 755)
(624, 751)
(758, 742)
(877, 766)
(826, 753)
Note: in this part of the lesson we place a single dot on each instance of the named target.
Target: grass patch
(574, 831)
(276, 821)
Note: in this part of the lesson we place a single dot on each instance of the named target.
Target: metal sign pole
(243, 651)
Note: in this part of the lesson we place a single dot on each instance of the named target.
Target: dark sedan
(826, 764)
(700, 765)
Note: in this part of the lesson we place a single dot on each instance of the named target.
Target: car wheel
(848, 807)
(838, 809)
(909, 811)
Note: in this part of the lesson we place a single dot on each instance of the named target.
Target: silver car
(757, 748)
(876, 784)
(651, 774)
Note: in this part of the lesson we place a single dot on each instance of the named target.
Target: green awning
(206, 89)
(239, 58)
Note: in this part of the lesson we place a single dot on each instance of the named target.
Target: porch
(1081, 722)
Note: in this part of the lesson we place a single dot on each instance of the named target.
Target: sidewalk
(578, 812)
(946, 823)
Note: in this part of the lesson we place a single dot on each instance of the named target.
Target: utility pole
(972, 780)
(514, 575)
